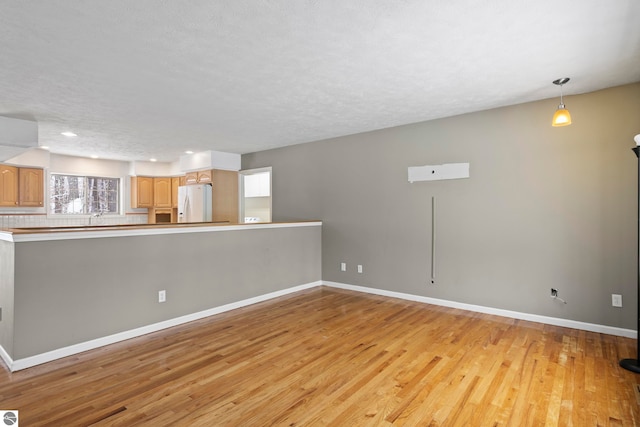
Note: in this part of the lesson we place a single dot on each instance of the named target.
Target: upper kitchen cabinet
(205, 177)
(8, 185)
(191, 178)
(30, 187)
(21, 186)
(154, 192)
(199, 177)
(142, 190)
(162, 192)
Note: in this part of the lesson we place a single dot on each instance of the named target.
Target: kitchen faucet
(95, 215)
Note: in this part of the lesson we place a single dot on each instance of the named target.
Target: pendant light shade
(562, 116)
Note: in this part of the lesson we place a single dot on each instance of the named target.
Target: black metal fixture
(633, 365)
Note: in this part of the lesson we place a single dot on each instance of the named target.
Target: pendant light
(562, 116)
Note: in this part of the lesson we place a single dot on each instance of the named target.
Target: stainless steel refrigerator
(194, 203)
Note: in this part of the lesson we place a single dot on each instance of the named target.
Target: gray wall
(544, 207)
(66, 293)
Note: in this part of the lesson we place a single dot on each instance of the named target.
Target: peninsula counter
(64, 290)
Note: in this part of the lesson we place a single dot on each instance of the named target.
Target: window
(84, 195)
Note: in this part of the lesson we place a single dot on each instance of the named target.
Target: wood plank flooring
(329, 357)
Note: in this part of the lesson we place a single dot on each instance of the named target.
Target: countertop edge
(96, 232)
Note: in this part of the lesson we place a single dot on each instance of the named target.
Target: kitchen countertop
(25, 234)
(101, 227)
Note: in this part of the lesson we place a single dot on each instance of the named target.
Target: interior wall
(152, 168)
(73, 291)
(85, 166)
(544, 207)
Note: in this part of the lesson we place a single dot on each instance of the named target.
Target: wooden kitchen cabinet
(30, 187)
(142, 190)
(8, 185)
(225, 196)
(159, 194)
(199, 177)
(160, 216)
(162, 192)
(175, 183)
(191, 178)
(21, 186)
(205, 177)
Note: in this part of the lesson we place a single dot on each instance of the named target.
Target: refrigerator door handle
(182, 210)
(186, 208)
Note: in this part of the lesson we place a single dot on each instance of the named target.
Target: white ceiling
(147, 78)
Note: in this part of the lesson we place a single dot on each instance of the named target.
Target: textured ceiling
(147, 78)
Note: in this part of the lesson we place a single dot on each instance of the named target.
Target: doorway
(255, 195)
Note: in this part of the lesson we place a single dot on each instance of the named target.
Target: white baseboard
(5, 357)
(16, 365)
(27, 362)
(611, 330)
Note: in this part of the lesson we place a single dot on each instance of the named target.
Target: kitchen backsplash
(26, 220)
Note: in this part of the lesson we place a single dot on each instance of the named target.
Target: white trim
(82, 232)
(5, 357)
(603, 329)
(16, 365)
(27, 362)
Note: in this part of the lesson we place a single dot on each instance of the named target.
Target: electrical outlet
(359, 268)
(162, 296)
(343, 266)
(616, 300)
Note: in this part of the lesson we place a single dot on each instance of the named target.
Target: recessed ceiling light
(188, 152)
(93, 156)
(68, 134)
(44, 147)
(153, 160)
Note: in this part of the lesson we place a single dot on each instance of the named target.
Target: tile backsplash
(39, 220)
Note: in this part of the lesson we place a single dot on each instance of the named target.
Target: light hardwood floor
(337, 358)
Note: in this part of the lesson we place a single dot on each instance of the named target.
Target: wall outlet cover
(616, 300)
